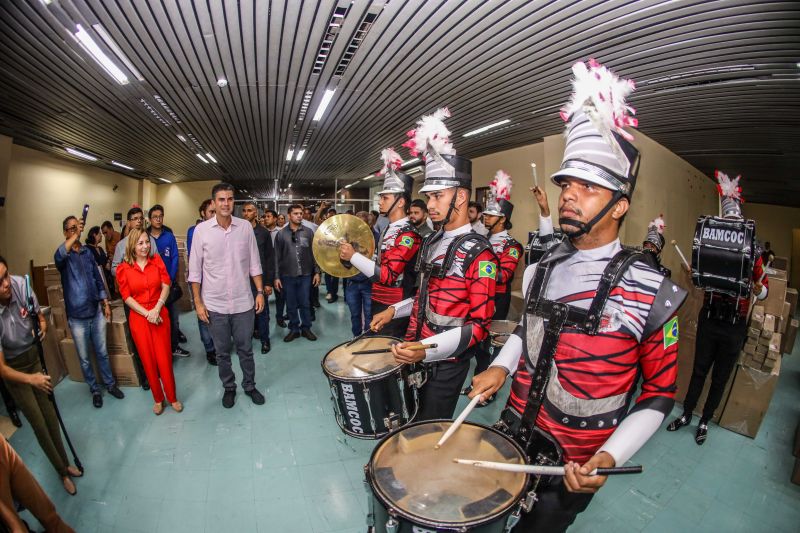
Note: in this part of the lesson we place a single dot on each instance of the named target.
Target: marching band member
(458, 270)
(596, 318)
(721, 329)
(392, 273)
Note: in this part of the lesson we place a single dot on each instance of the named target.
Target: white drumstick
(685, 262)
(535, 176)
(458, 421)
(540, 470)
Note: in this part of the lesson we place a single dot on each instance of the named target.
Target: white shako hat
(443, 168)
(655, 232)
(499, 194)
(731, 195)
(394, 181)
(598, 149)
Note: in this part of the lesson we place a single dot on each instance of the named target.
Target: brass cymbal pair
(334, 231)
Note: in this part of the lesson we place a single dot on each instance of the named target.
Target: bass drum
(418, 489)
(538, 245)
(723, 255)
(371, 394)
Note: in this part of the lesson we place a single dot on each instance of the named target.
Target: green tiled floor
(285, 466)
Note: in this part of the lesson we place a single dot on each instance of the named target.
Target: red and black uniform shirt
(509, 251)
(398, 249)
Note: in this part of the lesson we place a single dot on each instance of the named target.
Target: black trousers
(555, 509)
(483, 357)
(718, 345)
(395, 328)
(439, 395)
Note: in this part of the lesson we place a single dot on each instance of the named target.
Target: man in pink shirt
(224, 256)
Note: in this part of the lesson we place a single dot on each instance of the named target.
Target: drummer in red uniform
(596, 319)
(497, 219)
(458, 271)
(392, 273)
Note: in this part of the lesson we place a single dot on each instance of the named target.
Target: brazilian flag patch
(406, 241)
(671, 333)
(487, 269)
(513, 252)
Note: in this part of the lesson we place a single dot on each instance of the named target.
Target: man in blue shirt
(86, 303)
(168, 250)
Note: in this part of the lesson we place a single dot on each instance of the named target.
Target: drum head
(499, 331)
(424, 485)
(341, 363)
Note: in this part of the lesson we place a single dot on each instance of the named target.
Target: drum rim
(364, 379)
(392, 508)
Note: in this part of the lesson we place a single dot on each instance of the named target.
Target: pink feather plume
(501, 186)
(658, 223)
(391, 160)
(728, 187)
(430, 130)
(602, 96)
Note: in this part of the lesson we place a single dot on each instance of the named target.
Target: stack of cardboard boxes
(117, 337)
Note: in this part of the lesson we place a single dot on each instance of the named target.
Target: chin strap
(397, 197)
(493, 225)
(586, 227)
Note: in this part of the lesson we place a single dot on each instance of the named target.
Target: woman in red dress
(144, 286)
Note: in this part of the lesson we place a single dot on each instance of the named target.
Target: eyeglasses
(137, 218)
(156, 217)
(72, 228)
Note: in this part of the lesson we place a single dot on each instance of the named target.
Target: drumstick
(458, 421)
(386, 350)
(535, 176)
(685, 262)
(358, 337)
(539, 470)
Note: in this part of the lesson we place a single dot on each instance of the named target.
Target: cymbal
(332, 232)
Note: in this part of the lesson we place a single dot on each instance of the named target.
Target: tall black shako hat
(443, 168)
(498, 203)
(731, 195)
(598, 148)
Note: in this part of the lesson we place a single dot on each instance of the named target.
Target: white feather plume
(391, 160)
(600, 94)
(501, 185)
(728, 187)
(431, 131)
(658, 224)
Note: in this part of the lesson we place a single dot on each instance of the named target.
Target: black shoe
(256, 396)
(679, 422)
(180, 352)
(281, 323)
(116, 393)
(15, 419)
(228, 399)
(146, 385)
(97, 400)
(702, 433)
(211, 357)
(313, 315)
(181, 337)
(265, 347)
(316, 304)
(466, 390)
(308, 335)
(291, 336)
(328, 297)
(333, 299)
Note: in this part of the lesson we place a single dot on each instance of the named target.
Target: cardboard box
(52, 353)
(784, 318)
(780, 262)
(69, 353)
(764, 341)
(118, 339)
(52, 276)
(762, 349)
(775, 342)
(123, 369)
(776, 273)
(790, 336)
(749, 399)
(750, 347)
(753, 334)
(55, 295)
(773, 304)
(769, 324)
(791, 297)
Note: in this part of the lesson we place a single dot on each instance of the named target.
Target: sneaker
(97, 400)
(291, 336)
(116, 393)
(702, 433)
(182, 338)
(228, 399)
(679, 422)
(180, 352)
(211, 357)
(308, 335)
(281, 322)
(256, 396)
(265, 347)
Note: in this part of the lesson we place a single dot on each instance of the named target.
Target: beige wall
(180, 201)
(42, 190)
(774, 224)
(5, 161)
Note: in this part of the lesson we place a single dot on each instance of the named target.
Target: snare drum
(419, 489)
(500, 330)
(723, 255)
(371, 394)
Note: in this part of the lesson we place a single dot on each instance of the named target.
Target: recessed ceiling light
(323, 105)
(289, 155)
(410, 161)
(222, 83)
(487, 128)
(290, 185)
(102, 59)
(182, 138)
(300, 154)
(83, 155)
(201, 158)
(120, 165)
(101, 31)
(165, 180)
(211, 158)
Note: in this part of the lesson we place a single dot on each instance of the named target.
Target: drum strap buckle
(417, 379)
(530, 501)
(392, 421)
